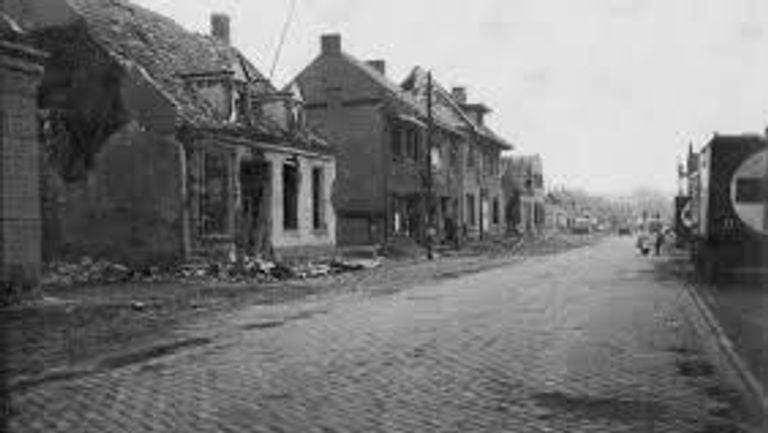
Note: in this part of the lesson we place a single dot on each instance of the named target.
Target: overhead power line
(283, 34)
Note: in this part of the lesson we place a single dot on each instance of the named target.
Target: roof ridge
(387, 84)
(415, 77)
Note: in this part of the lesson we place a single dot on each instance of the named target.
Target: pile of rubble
(250, 269)
(84, 271)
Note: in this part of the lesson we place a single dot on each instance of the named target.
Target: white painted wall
(305, 234)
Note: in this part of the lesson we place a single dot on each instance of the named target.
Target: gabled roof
(519, 164)
(406, 101)
(390, 88)
(162, 49)
(445, 108)
(166, 54)
(496, 138)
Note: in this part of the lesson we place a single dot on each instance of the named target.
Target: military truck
(729, 207)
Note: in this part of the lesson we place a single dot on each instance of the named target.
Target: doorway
(254, 228)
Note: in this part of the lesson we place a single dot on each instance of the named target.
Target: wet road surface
(588, 340)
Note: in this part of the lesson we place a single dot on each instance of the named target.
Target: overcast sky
(609, 92)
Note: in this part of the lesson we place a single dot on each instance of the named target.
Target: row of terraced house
(391, 180)
(160, 144)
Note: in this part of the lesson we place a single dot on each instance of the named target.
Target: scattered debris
(249, 268)
(343, 265)
(138, 305)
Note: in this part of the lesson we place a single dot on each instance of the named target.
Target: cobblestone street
(588, 340)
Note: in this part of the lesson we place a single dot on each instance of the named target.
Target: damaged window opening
(240, 112)
(471, 209)
(396, 138)
(214, 195)
(436, 156)
(290, 196)
(412, 143)
(318, 220)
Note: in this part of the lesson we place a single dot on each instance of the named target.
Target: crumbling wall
(80, 94)
(20, 246)
(110, 189)
(212, 187)
(130, 206)
(254, 214)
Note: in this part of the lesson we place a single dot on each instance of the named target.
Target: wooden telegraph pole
(430, 205)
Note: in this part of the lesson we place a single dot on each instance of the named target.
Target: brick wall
(130, 207)
(20, 243)
(344, 105)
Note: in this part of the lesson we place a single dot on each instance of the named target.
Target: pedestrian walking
(659, 242)
(451, 235)
(642, 243)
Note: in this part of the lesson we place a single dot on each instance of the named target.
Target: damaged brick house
(466, 158)
(482, 179)
(355, 105)
(446, 152)
(165, 144)
(523, 184)
(380, 129)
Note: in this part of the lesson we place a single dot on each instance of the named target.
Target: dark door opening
(254, 227)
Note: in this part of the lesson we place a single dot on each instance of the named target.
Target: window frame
(205, 203)
(291, 208)
(318, 198)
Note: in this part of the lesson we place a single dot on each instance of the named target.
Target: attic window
(239, 105)
(295, 114)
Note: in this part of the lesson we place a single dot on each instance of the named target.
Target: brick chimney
(459, 95)
(330, 43)
(379, 65)
(220, 27)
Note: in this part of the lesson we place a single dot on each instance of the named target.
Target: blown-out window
(471, 210)
(396, 142)
(412, 144)
(318, 208)
(470, 157)
(214, 194)
(290, 196)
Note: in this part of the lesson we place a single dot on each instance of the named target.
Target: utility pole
(431, 232)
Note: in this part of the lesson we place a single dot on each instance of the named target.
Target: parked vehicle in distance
(624, 230)
(581, 225)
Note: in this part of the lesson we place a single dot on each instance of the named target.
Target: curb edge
(726, 347)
